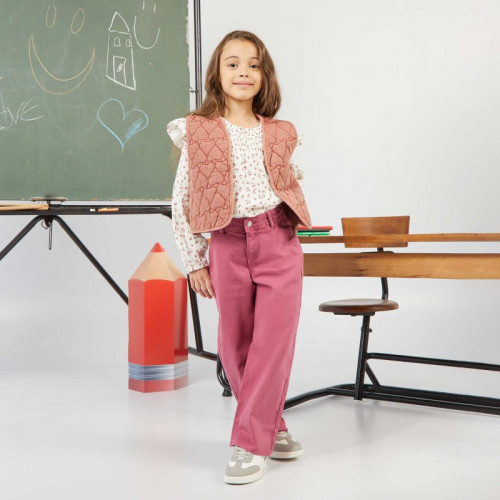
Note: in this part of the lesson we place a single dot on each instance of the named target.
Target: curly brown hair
(266, 103)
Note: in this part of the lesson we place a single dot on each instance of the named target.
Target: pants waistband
(265, 220)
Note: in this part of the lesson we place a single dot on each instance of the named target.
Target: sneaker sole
(287, 454)
(243, 479)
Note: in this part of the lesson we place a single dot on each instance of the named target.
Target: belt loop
(270, 219)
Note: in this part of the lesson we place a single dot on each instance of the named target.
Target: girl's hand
(200, 283)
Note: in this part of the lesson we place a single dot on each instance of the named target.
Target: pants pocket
(294, 239)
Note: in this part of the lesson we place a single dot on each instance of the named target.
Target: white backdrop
(398, 102)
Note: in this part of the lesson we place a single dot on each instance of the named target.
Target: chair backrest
(372, 231)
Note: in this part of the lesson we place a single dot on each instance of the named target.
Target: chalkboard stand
(54, 213)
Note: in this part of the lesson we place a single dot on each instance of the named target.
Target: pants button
(249, 223)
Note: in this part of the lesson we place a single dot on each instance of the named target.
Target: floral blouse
(252, 188)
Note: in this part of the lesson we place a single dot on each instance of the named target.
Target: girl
(235, 180)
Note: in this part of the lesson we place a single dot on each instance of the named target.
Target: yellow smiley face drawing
(45, 79)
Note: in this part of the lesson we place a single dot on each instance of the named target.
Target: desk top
(388, 238)
(364, 262)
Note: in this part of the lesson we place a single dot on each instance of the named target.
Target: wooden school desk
(457, 265)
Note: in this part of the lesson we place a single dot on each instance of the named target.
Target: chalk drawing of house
(120, 62)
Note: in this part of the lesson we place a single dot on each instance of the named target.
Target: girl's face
(240, 74)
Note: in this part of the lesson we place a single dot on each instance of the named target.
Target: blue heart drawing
(123, 126)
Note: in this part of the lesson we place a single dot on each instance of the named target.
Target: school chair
(362, 232)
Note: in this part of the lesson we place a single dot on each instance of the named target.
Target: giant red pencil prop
(157, 349)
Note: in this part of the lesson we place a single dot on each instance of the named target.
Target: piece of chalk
(108, 209)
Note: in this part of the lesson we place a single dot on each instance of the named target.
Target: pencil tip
(157, 248)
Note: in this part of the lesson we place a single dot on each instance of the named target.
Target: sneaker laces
(240, 454)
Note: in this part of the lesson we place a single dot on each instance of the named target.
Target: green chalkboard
(86, 90)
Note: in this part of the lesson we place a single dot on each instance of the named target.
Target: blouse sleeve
(177, 131)
(192, 247)
(297, 171)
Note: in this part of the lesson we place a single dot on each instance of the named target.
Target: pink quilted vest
(211, 197)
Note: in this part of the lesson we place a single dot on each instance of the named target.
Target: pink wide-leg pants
(256, 268)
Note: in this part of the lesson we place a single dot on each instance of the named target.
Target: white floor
(75, 434)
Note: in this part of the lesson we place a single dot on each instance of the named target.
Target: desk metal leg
(222, 378)
(437, 399)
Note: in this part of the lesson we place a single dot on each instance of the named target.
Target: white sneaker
(286, 446)
(244, 467)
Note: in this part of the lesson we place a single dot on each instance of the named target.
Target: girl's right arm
(192, 247)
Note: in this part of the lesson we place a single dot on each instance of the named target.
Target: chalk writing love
(24, 114)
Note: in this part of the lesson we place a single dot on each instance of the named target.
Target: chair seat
(358, 306)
